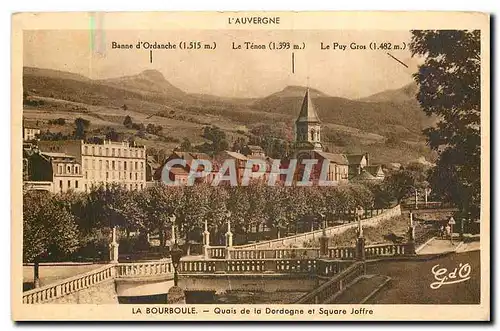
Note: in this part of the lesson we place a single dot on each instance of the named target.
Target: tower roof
(307, 111)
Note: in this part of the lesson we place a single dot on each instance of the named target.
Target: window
(124, 175)
(93, 164)
(100, 164)
(136, 186)
(119, 165)
(136, 165)
(76, 184)
(107, 175)
(107, 164)
(69, 183)
(112, 152)
(113, 165)
(119, 152)
(131, 177)
(60, 184)
(107, 151)
(100, 150)
(141, 176)
(119, 175)
(93, 150)
(86, 175)
(136, 176)
(86, 149)
(142, 165)
(76, 169)
(124, 165)
(141, 187)
(60, 169)
(68, 169)
(85, 187)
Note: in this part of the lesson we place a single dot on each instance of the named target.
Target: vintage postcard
(287, 166)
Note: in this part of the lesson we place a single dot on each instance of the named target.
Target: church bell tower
(308, 125)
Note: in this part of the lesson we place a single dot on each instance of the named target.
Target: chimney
(367, 156)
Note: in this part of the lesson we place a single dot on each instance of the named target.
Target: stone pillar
(229, 240)
(323, 243)
(113, 248)
(206, 241)
(416, 199)
(229, 235)
(411, 237)
(411, 231)
(176, 296)
(360, 242)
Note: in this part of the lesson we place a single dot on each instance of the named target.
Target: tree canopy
(450, 88)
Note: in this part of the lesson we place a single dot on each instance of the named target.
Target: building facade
(111, 162)
(55, 172)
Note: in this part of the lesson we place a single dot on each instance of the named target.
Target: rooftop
(307, 111)
(355, 158)
(335, 158)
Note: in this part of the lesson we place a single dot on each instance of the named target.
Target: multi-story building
(55, 172)
(110, 162)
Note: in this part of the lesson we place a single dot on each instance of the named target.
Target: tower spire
(308, 125)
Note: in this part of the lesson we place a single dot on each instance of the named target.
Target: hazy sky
(227, 72)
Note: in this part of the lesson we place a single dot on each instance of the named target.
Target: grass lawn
(373, 234)
(411, 281)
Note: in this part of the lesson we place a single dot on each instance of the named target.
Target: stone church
(341, 167)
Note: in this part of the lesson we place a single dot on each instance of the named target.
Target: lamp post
(176, 254)
(229, 234)
(451, 223)
(113, 247)
(324, 241)
(416, 196)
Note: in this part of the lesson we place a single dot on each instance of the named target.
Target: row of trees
(63, 223)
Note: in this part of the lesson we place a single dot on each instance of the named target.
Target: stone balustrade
(298, 239)
(129, 270)
(248, 266)
(335, 253)
(70, 285)
(342, 253)
(274, 253)
(278, 261)
(333, 286)
(383, 250)
(216, 252)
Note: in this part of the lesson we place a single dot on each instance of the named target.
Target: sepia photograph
(294, 172)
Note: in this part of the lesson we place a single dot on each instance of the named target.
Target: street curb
(376, 290)
(424, 244)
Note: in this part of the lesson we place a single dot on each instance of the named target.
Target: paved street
(411, 281)
(437, 246)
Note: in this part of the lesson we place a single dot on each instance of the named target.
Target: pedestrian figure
(441, 231)
(448, 230)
